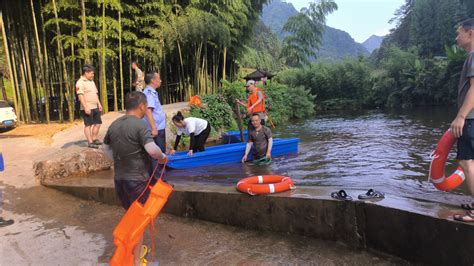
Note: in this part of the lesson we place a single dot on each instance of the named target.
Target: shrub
(216, 111)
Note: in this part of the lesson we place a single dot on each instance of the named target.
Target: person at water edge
(139, 77)
(90, 105)
(155, 116)
(462, 126)
(255, 103)
(261, 139)
(196, 128)
(129, 144)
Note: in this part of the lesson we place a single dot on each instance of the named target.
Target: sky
(360, 18)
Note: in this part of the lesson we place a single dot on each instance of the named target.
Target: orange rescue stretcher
(130, 229)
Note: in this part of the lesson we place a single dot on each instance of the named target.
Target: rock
(76, 164)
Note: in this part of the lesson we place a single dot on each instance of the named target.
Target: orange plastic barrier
(266, 184)
(130, 229)
(195, 101)
(438, 162)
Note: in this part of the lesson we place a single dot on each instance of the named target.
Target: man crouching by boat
(262, 141)
(128, 143)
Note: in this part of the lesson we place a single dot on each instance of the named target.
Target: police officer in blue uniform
(155, 116)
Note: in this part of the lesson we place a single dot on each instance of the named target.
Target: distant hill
(337, 44)
(373, 42)
(276, 14)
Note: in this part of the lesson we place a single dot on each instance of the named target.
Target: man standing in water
(262, 141)
(129, 144)
(463, 125)
(90, 105)
(255, 103)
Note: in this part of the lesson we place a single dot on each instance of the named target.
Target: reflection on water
(355, 150)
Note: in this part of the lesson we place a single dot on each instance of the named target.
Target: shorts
(92, 119)
(129, 190)
(466, 141)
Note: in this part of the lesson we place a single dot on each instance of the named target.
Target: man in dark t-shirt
(261, 140)
(129, 142)
(463, 125)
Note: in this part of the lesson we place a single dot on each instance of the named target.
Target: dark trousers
(160, 141)
(201, 139)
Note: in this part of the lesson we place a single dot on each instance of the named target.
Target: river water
(384, 150)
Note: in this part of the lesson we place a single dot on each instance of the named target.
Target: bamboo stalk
(26, 62)
(87, 58)
(24, 95)
(10, 67)
(103, 87)
(47, 86)
(64, 93)
(115, 90)
(224, 62)
(120, 60)
(40, 59)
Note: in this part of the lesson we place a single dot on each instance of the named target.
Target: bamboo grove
(194, 44)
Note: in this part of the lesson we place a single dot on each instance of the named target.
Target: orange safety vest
(253, 98)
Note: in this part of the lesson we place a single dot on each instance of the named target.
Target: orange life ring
(266, 184)
(438, 162)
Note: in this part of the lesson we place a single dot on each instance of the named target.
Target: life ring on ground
(265, 184)
(438, 163)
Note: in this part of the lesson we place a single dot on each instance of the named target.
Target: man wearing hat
(255, 103)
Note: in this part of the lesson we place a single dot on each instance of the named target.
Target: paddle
(239, 120)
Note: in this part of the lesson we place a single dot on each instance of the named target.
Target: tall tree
(306, 32)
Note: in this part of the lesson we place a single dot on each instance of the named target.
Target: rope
(151, 177)
(152, 229)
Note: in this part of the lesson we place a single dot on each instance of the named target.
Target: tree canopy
(193, 43)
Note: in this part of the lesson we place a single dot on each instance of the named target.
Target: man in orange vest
(255, 103)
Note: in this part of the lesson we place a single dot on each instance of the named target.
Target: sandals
(372, 194)
(468, 206)
(341, 195)
(468, 217)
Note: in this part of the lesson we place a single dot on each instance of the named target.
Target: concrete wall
(419, 238)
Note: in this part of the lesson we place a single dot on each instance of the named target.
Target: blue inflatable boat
(233, 136)
(228, 153)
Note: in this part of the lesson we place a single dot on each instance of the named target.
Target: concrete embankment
(417, 231)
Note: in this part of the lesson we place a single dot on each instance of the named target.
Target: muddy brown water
(384, 150)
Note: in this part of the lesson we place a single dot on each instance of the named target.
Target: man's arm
(269, 148)
(247, 150)
(155, 152)
(466, 107)
(151, 121)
